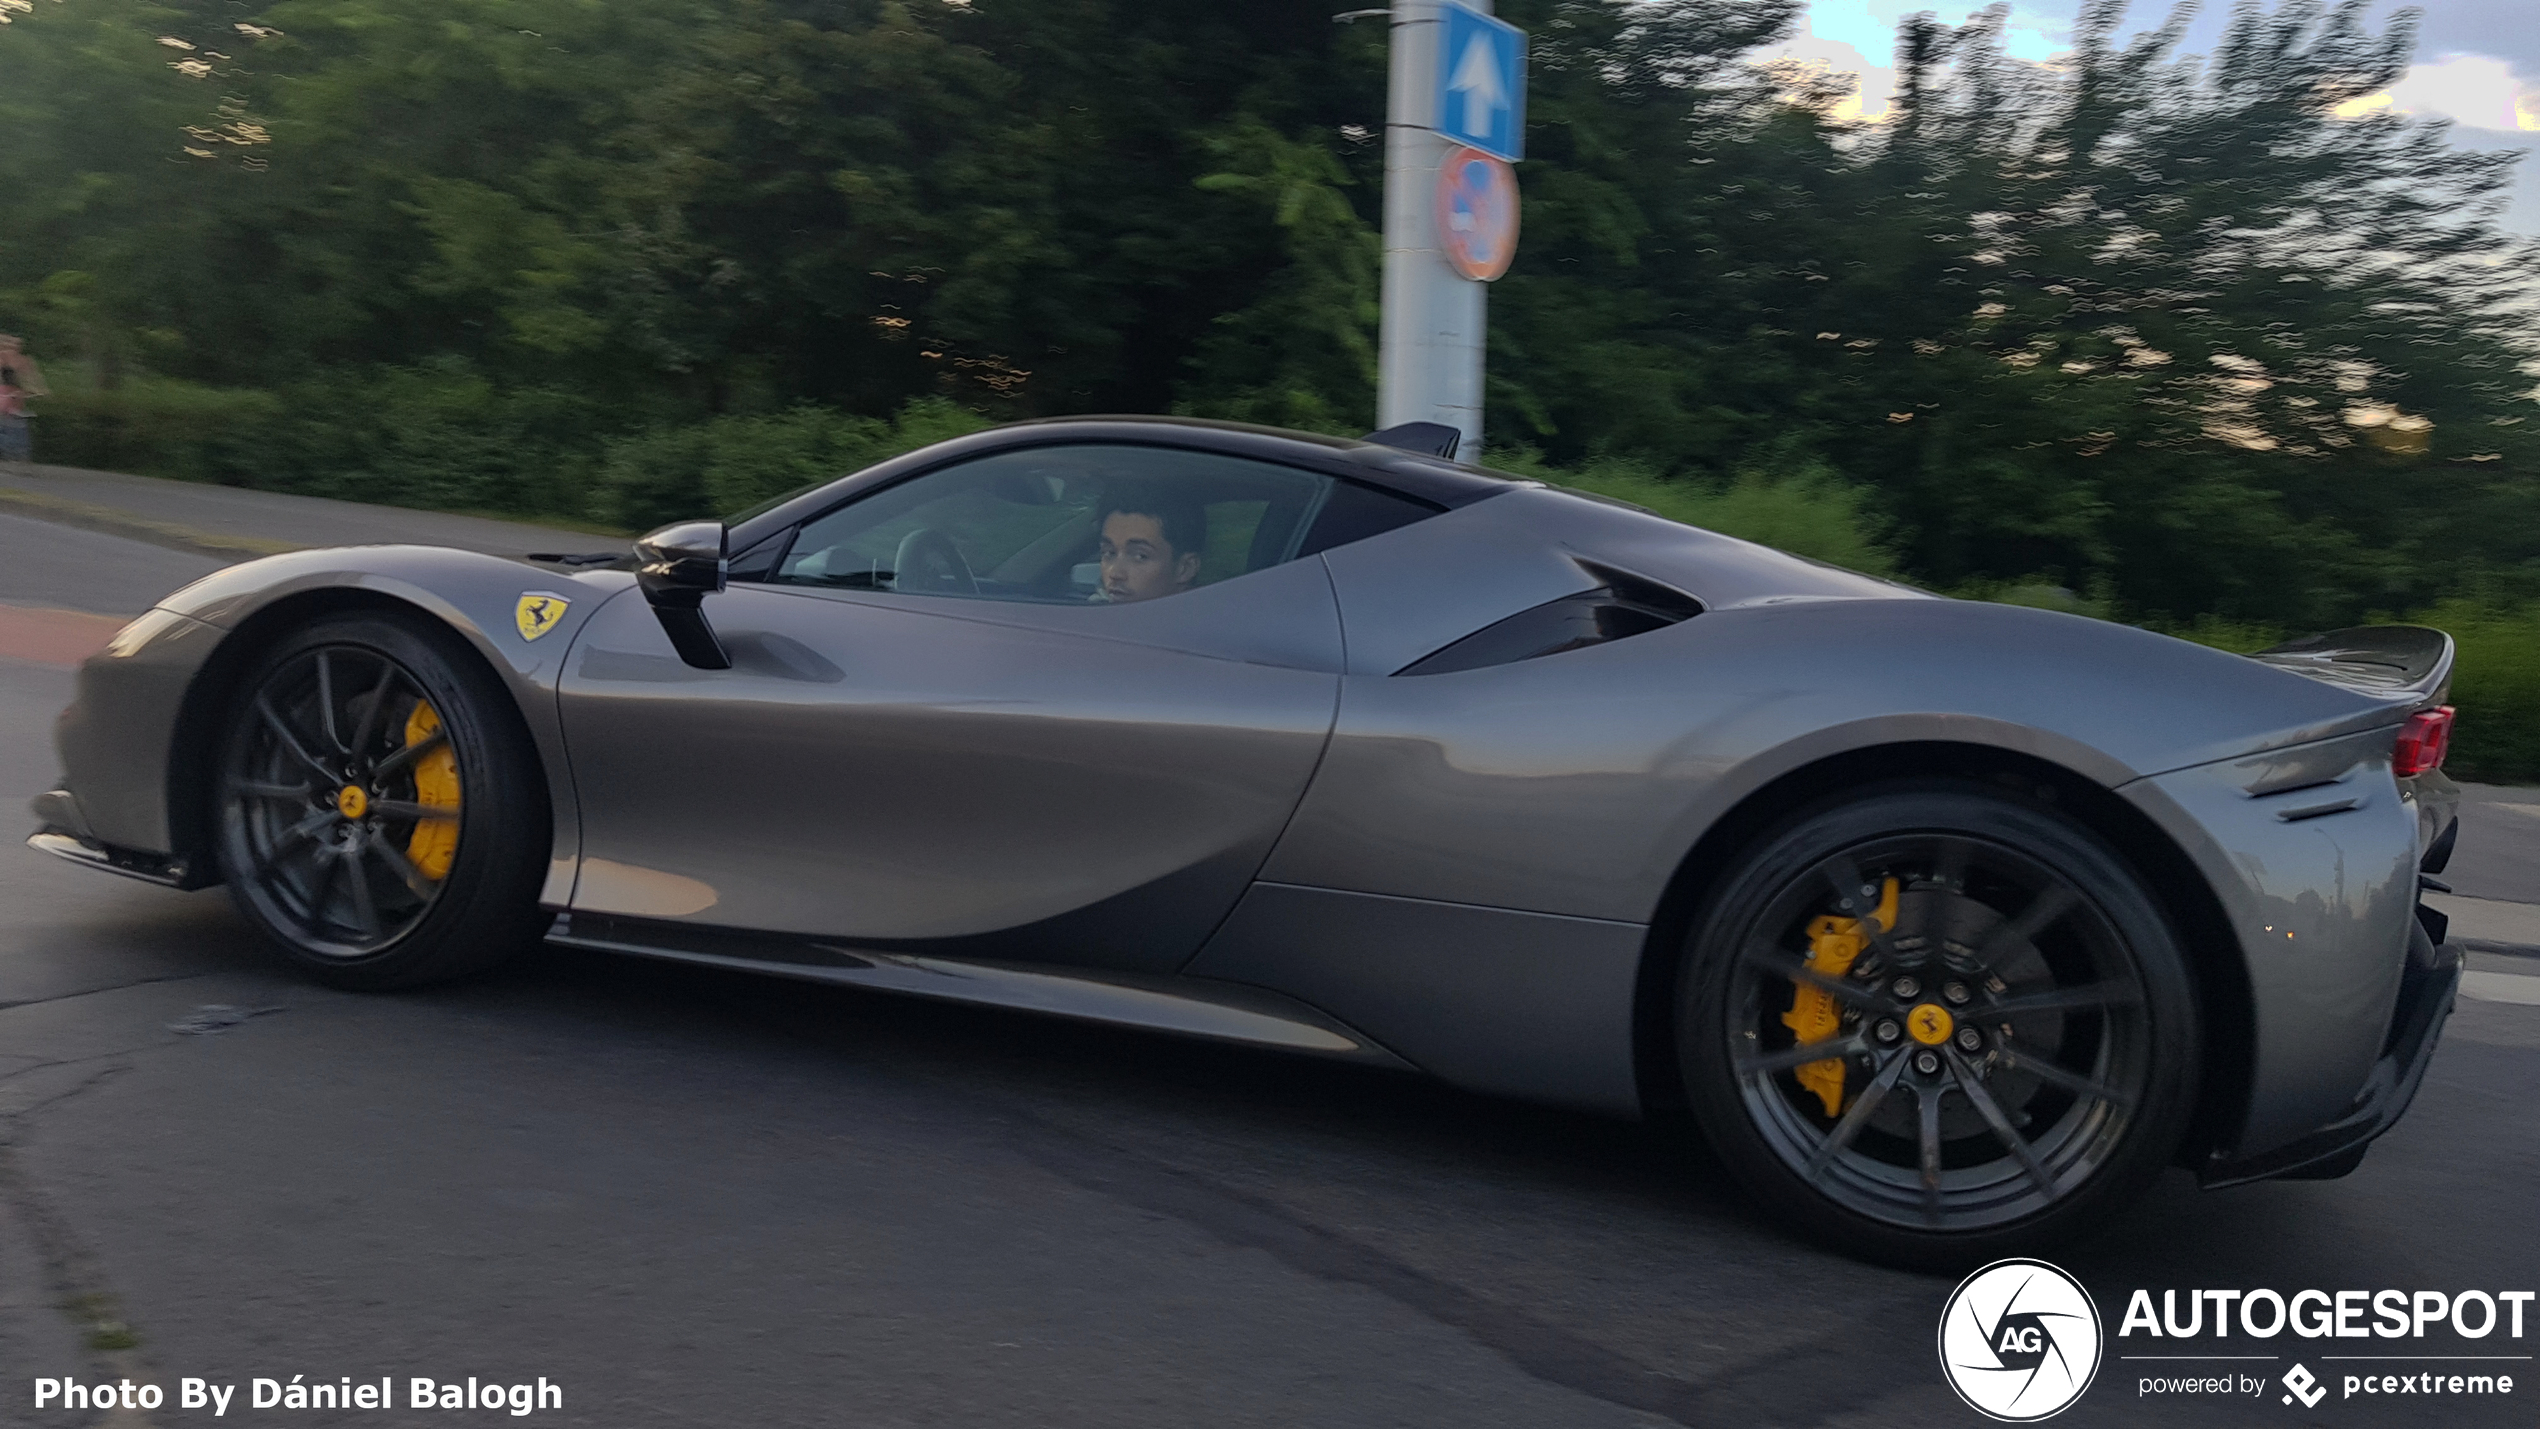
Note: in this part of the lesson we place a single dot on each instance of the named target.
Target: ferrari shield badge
(538, 613)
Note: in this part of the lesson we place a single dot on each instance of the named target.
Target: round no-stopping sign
(1477, 213)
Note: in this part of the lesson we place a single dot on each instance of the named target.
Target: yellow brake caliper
(1833, 943)
(430, 847)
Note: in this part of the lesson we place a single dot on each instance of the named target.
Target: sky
(2477, 61)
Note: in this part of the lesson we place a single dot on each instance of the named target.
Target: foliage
(1810, 512)
(2173, 334)
(2496, 688)
(725, 465)
(1303, 352)
(2238, 637)
(161, 426)
(2165, 340)
(2495, 680)
(439, 435)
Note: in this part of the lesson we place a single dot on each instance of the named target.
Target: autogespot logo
(2019, 1340)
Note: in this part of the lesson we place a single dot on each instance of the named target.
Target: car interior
(1024, 525)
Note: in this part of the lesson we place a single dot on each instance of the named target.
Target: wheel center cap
(352, 803)
(1930, 1023)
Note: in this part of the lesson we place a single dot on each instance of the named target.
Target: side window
(1354, 512)
(1066, 524)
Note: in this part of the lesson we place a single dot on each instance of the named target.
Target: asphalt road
(695, 1198)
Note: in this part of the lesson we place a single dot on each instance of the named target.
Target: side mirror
(678, 567)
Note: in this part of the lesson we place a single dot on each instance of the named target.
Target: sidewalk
(2489, 923)
(2495, 871)
(230, 523)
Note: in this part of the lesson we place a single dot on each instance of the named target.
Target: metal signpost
(1455, 116)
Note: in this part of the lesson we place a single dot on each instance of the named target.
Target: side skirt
(1496, 1000)
(105, 858)
(1189, 1007)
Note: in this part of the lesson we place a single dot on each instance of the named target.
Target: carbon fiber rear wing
(2395, 662)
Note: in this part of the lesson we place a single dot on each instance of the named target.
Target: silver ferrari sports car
(1950, 923)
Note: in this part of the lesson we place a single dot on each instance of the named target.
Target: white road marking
(2501, 987)
(2489, 920)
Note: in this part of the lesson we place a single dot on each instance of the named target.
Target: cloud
(2503, 28)
(1844, 34)
(1869, 26)
(2484, 73)
(2492, 106)
(1844, 56)
(2481, 91)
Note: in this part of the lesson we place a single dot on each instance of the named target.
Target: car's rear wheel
(1936, 1023)
(382, 818)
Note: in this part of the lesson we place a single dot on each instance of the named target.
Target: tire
(2055, 1081)
(351, 742)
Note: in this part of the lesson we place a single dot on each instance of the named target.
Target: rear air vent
(1625, 606)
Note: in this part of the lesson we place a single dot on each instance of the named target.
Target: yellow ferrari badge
(538, 613)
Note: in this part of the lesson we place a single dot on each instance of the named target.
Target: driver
(1151, 543)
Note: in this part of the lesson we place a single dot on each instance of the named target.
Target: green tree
(2175, 335)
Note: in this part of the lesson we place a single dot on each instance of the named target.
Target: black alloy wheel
(382, 818)
(2011, 1051)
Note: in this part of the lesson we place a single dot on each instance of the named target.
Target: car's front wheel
(1936, 1023)
(381, 815)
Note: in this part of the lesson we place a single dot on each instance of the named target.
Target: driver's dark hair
(1184, 521)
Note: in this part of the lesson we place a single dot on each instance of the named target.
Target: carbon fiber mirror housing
(678, 566)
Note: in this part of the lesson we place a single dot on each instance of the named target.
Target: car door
(943, 730)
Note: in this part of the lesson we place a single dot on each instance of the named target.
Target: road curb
(62, 511)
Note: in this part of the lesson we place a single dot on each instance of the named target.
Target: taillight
(2423, 741)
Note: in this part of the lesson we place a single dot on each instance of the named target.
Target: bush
(2238, 637)
(443, 436)
(2496, 688)
(1810, 512)
(2042, 592)
(438, 436)
(653, 478)
(731, 463)
(158, 426)
(2495, 681)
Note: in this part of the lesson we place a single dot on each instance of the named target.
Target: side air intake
(1625, 606)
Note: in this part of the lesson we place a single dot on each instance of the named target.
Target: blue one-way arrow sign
(1482, 82)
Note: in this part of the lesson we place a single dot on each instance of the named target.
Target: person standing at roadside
(20, 379)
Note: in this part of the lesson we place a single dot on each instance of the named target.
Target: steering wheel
(928, 563)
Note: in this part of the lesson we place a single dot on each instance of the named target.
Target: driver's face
(1138, 563)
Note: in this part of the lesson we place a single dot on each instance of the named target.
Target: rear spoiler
(2400, 663)
(1424, 438)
